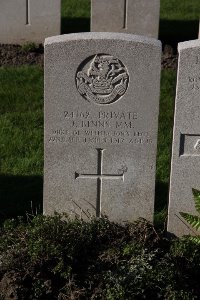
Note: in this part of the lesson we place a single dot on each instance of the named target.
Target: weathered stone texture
(101, 119)
(24, 21)
(128, 16)
(185, 171)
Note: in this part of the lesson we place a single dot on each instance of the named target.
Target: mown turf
(75, 16)
(179, 19)
(166, 116)
(21, 140)
(21, 120)
(169, 9)
(76, 9)
(180, 9)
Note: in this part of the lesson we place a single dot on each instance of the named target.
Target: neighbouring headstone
(128, 16)
(185, 167)
(199, 29)
(101, 115)
(24, 21)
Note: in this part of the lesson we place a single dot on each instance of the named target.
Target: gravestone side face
(24, 21)
(128, 16)
(185, 166)
(101, 111)
(199, 29)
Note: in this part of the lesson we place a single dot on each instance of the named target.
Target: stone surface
(101, 113)
(185, 172)
(28, 20)
(199, 29)
(127, 16)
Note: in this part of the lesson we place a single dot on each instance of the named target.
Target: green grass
(76, 9)
(180, 10)
(179, 19)
(21, 120)
(169, 9)
(166, 115)
(21, 140)
(75, 16)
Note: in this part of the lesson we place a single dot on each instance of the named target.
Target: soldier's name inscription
(100, 127)
(101, 120)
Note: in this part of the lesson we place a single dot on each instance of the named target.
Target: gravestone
(199, 29)
(185, 165)
(128, 16)
(101, 115)
(24, 21)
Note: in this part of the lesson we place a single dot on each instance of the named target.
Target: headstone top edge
(102, 35)
(188, 44)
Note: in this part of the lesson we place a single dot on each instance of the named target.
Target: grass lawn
(180, 10)
(21, 140)
(179, 19)
(169, 9)
(21, 120)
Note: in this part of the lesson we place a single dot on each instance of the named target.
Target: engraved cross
(99, 177)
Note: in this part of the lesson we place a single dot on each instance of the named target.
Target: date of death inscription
(99, 128)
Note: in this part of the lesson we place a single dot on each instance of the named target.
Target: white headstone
(101, 118)
(24, 21)
(128, 16)
(185, 167)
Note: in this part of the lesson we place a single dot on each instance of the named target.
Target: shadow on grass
(172, 31)
(161, 196)
(20, 195)
(69, 25)
(161, 204)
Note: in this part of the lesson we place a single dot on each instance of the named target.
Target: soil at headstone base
(15, 55)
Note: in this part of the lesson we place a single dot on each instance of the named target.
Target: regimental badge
(102, 79)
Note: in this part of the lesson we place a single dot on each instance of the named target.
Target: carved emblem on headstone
(102, 79)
